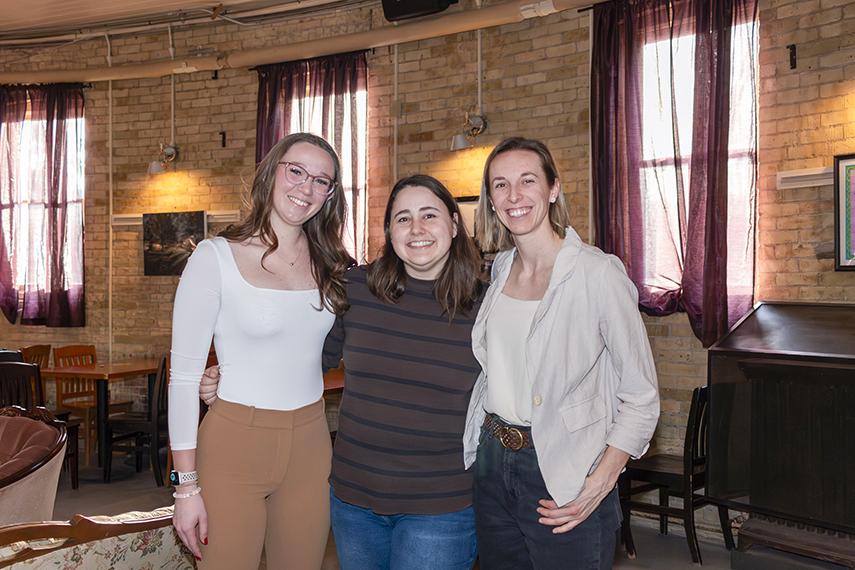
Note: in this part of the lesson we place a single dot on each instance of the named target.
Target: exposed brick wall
(535, 82)
(807, 115)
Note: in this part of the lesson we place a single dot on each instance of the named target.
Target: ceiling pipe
(183, 21)
(448, 24)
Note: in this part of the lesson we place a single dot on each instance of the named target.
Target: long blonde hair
(492, 234)
(329, 258)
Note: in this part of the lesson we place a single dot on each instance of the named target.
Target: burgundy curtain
(326, 96)
(41, 204)
(674, 147)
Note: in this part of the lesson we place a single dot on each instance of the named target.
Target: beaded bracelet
(188, 494)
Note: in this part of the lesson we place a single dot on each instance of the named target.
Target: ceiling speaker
(395, 10)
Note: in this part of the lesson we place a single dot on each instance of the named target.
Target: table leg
(102, 401)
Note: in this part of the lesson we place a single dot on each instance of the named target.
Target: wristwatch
(178, 478)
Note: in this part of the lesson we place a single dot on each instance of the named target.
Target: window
(42, 156)
(327, 96)
(311, 114)
(667, 126)
(674, 153)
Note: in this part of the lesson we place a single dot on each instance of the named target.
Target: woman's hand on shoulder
(190, 520)
(208, 385)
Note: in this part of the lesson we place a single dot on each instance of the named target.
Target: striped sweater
(408, 378)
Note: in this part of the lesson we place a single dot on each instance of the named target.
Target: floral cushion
(158, 548)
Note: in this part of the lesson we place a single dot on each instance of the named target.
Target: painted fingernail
(199, 558)
(205, 541)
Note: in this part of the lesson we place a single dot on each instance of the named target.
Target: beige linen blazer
(587, 354)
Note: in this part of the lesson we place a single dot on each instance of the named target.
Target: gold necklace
(299, 253)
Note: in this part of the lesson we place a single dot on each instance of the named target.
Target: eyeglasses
(296, 174)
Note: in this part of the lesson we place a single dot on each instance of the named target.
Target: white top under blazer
(268, 341)
(509, 388)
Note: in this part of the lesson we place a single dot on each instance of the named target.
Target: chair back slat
(158, 404)
(74, 388)
(695, 447)
(20, 385)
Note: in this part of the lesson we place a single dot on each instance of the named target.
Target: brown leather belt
(511, 437)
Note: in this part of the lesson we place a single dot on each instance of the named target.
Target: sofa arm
(129, 540)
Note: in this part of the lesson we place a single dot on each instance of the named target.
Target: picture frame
(468, 205)
(168, 240)
(844, 212)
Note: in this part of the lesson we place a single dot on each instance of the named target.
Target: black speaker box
(395, 10)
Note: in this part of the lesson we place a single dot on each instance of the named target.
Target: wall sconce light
(474, 126)
(476, 123)
(168, 153)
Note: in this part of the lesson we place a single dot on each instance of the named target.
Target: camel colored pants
(264, 478)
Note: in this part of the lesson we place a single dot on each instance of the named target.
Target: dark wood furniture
(102, 374)
(782, 427)
(20, 385)
(142, 427)
(674, 476)
(7, 355)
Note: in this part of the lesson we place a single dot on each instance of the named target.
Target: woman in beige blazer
(568, 391)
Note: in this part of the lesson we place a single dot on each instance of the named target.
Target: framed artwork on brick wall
(169, 239)
(844, 212)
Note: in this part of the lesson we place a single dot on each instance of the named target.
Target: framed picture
(468, 205)
(169, 239)
(844, 212)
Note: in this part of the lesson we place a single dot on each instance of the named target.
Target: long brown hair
(492, 234)
(458, 286)
(328, 256)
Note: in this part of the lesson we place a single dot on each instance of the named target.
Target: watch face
(173, 477)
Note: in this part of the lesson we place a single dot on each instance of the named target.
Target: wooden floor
(137, 492)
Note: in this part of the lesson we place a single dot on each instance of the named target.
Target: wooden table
(103, 374)
(333, 381)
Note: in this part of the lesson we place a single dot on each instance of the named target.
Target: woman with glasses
(267, 290)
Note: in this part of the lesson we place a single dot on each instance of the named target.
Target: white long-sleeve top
(268, 341)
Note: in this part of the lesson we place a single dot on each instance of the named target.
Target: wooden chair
(21, 385)
(674, 476)
(38, 354)
(143, 427)
(78, 395)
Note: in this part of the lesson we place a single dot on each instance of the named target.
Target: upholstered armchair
(32, 447)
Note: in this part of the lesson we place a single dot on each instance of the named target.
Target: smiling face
(520, 192)
(421, 230)
(294, 204)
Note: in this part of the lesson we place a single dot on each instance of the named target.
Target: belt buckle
(511, 438)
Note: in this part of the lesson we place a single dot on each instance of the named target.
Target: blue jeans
(365, 540)
(508, 485)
